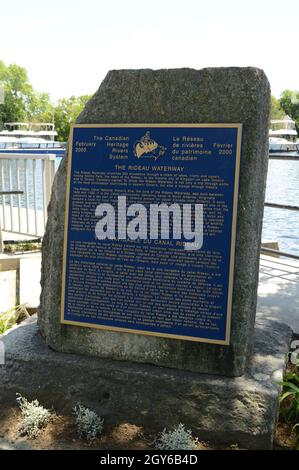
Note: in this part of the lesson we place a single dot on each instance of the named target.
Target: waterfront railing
(271, 251)
(25, 190)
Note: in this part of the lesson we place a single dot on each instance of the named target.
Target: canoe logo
(148, 148)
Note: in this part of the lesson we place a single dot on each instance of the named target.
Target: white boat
(283, 135)
(24, 135)
(45, 130)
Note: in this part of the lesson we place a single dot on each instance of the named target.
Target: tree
(17, 93)
(289, 101)
(65, 113)
(23, 103)
(41, 109)
(276, 111)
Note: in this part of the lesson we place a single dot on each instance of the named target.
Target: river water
(282, 188)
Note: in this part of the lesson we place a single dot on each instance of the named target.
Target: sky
(68, 46)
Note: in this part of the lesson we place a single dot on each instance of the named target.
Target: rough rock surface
(218, 409)
(223, 95)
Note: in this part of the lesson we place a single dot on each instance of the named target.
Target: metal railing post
(48, 172)
(1, 234)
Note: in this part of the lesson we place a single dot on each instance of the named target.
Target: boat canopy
(44, 130)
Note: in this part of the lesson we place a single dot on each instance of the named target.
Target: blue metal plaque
(150, 229)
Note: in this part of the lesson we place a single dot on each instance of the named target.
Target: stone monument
(226, 393)
(232, 95)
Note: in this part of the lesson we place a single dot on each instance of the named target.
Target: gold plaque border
(225, 342)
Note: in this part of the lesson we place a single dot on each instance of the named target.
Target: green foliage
(35, 416)
(178, 438)
(17, 92)
(296, 432)
(276, 111)
(65, 113)
(234, 447)
(289, 400)
(40, 108)
(13, 316)
(89, 424)
(289, 102)
(23, 103)
(21, 247)
(2, 327)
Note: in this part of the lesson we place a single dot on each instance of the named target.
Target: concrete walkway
(19, 272)
(278, 293)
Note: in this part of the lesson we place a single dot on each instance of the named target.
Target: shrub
(289, 400)
(35, 416)
(89, 424)
(177, 439)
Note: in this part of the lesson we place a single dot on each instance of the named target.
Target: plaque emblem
(148, 148)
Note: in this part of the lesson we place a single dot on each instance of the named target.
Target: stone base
(218, 409)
